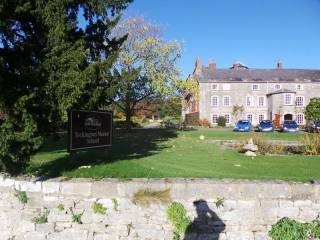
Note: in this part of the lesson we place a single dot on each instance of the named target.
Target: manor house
(241, 92)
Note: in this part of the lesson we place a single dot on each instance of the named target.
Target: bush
(123, 124)
(204, 123)
(179, 219)
(264, 147)
(221, 121)
(311, 144)
(288, 229)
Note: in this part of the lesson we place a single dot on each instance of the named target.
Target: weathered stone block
(105, 189)
(50, 187)
(240, 235)
(291, 212)
(302, 203)
(45, 228)
(28, 186)
(34, 236)
(76, 188)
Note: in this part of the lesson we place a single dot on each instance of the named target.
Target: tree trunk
(128, 113)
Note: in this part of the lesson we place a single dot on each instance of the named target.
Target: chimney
(198, 66)
(279, 64)
(212, 65)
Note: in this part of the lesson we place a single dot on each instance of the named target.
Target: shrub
(288, 229)
(99, 208)
(115, 204)
(264, 147)
(76, 217)
(221, 121)
(42, 217)
(177, 216)
(60, 206)
(145, 197)
(21, 196)
(311, 144)
(204, 123)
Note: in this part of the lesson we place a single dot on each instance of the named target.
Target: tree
(146, 63)
(312, 111)
(237, 111)
(48, 65)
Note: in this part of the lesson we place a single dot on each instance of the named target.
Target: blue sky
(256, 32)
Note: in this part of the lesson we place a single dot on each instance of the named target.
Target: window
(255, 87)
(277, 87)
(214, 118)
(299, 87)
(226, 87)
(249, 117)
(228, 118)
(287, 99)
(214, 101)
(300, 119)
(249, 101)
(261, 101)
(261, 117)
(226, 101)
(299, 101)
(214, 87)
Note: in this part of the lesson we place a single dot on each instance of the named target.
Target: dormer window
(299, 87)
(226, 87)
(214, 87)
(255, 87)
(277, 87)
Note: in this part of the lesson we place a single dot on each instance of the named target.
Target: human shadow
(207, 225)
(138, 143)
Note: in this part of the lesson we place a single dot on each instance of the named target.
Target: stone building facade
(255, 94)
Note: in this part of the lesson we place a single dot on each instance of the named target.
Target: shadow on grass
(136, 144)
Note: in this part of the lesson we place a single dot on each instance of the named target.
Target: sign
(89, 129)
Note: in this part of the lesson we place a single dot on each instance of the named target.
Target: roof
(253, 74)
(281, 91)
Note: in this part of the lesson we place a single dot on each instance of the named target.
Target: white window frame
(264, 101)
(216, 85)
(214, 114)
(226, 87)
(263, 117)
(251, 101)
(291, 99)
(228, 119)
(299, 88)
(212, 105)
(302, 97)
(274, 87)
(255, 84)
(248, 117)
(223, 102)
(297, 118)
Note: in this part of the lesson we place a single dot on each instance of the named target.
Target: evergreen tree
(48, 65)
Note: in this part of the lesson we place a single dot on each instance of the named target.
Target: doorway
(288, 117)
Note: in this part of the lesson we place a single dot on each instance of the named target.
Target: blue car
(243, 126)
(265, 126)
(289, 126)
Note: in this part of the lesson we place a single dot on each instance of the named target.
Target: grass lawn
(168, 153)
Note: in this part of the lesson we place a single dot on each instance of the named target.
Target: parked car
(289, 126)
(265, 126)
(313, 126)
(243, 126)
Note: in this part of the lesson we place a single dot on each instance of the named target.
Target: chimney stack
(212, 65)
(279, 64)
(198, 66)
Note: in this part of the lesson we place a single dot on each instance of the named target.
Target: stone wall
(249, 208)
